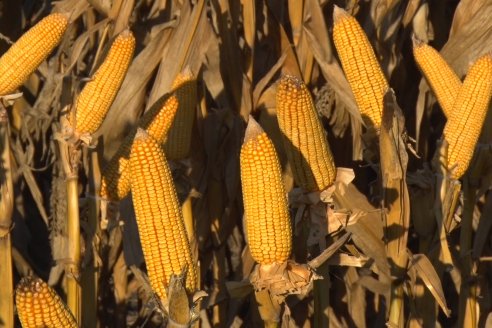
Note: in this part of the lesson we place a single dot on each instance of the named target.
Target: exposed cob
(304, 139)
(360, 65)
(24, 56)
(160, 222)
(468, 115)
(156, 121)
(266, 211)
(442, 79)
(38, 305)
(177, 145)
(98, 94)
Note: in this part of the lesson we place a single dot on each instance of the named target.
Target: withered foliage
(394, 241)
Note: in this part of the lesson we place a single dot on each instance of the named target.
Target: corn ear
(468, 115)
(441, 78)
(178, 142)
(24, 56)
(304, 138)
(360, 65)
(98, 94)
(38, 305)
(266, 211)
(115, 183)
(160, 222)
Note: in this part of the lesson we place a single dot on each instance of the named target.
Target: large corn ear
(468, 115)
(304, 138)
(98, 94)
(160, 222)
(38, 305)
(360, 65)
(267, 221)
(24, 56)
(441, 78)
(178, 142)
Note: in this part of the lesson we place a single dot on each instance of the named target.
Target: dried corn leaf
(394, 159)
(424, 269)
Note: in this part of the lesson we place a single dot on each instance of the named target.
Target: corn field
(235, 163)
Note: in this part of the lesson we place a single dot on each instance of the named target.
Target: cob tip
(253, 129)
(417, 42)
(339, 14)
(141, 134)
(126, 34)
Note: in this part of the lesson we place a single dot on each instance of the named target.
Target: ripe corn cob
(468, 115)
(98, 94)
(266, 211)
(22, 59)
(38, 305)
(442, 79)
(160, 222)
(304, 139)
(177, 145)
(115, 183)
(360, 65)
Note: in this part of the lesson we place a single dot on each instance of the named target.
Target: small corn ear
(38, 305)
(177, 145)
(468, 115)
(98, 94)
(441, 78)
(24, 56)
(160, 222)
(115, 183)
(304, 138)
(360, 65)
(267, 221)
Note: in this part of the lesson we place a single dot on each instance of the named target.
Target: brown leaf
(424, 269)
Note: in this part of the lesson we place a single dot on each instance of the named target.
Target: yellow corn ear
(304, 138)
(38, 305)
(441, 78)
(360, 65)
(115, 183)
(98, 94)
(160, 222)
(24, 56)
(468, 115)
(266, 211)
(177, 145)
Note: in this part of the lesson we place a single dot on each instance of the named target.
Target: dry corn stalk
(24, 56)
(268, 227)
(98, 94)
(38, 305)
(442, 79)
(360, 65)
(468, 115)
(304, 138)
(178, 142)
(160, 222)
(157, 121)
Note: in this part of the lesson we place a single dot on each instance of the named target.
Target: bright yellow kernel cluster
(360, 65)
(304, 138)
(38, 305)
(441, 78)
(160, 222)
(468, 115)
(267, 221)
(98, 94)
(177, 145)
(22, 59)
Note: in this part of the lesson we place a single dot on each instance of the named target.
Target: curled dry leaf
(282, 279)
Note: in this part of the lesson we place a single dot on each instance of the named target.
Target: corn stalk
(6, 208)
